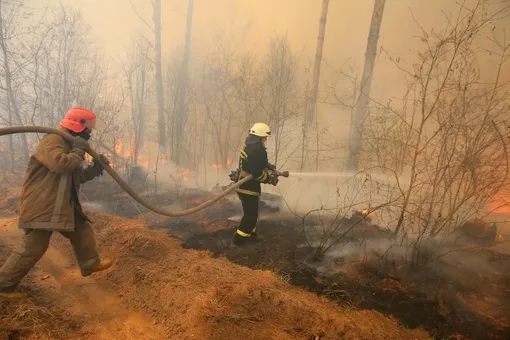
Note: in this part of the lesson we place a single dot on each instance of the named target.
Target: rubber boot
(239, 241)
(99, 266)
(254, 238)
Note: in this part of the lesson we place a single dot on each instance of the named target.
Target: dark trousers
(247, 226)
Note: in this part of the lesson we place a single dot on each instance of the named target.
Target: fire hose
(120, 181)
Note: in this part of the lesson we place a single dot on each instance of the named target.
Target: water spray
(319, 174)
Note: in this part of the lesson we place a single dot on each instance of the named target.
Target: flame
(123, 150)
(185, 174)
(221, 166)
(118, 146)
(126, 150)
(366, 212)
(499, 205)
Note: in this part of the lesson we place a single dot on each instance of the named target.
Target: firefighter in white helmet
(253, 160)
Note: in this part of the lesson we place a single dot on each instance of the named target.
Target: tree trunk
(159, 75)
(361, 113)
(12, 106)
(182, 110)
(310, 116)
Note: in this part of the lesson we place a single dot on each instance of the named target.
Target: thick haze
(251, 23)
(248, 26)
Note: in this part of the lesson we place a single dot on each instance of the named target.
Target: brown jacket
(47, 198)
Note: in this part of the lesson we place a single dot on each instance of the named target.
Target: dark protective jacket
(49, 198)
(253, 160)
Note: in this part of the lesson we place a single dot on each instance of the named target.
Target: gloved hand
(103, 159)
(273, 180)
(94, 170)
(271, 167)
(97, 167)
(80, 145)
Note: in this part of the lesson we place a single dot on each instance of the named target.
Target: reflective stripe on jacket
(253, 160)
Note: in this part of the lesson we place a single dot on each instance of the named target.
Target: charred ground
(464, 294)
(445, 298)
(158, 290)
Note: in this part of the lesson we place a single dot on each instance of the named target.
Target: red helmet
(78, 119)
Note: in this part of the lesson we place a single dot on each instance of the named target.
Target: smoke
(445, 257)
(339, 194)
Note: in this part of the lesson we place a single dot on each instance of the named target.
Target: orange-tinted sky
(114, 22)
(249, 24)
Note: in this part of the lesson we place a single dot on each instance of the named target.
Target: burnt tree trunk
(12, 106)
(310, 113)
(182, 108)
(159, 76)
(361, 113)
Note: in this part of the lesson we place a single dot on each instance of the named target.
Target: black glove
(80, 145)
(273, 180)
(103, 159)
(96, 169)
(271, 167)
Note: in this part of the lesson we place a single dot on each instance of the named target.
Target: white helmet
(260, 129)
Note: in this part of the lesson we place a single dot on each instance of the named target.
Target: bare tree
(49, 66)
(281, 102)
(156, 30)
(346, 212)
(136, 73)
(182, 114)
(356, 134)
(449, 137)
(310, 113)
(227, 78)
(7, 34)
(159, 75)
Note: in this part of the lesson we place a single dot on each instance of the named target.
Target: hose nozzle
(283, 173)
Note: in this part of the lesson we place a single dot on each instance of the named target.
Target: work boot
(239, 241)
(254, 238)
(99, 266)
(10, 294)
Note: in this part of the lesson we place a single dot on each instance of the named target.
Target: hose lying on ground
(116, 177)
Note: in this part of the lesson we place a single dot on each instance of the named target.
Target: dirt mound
(28, 318)
(157, 290)
(196, 296)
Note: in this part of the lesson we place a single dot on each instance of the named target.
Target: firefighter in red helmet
(49, 202)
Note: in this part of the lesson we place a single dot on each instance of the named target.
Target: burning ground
(158, 290)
